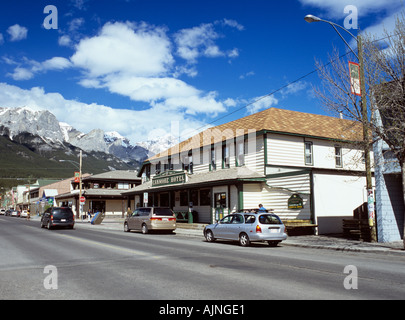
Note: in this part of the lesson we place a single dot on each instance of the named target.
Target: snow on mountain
(44, 124)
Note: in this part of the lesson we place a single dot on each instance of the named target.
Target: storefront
(211, 195)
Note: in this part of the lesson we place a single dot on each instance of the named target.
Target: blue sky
(146, 68)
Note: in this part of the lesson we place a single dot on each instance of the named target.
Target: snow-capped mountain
(14, 121)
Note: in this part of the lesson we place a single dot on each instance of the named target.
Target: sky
(146, 68)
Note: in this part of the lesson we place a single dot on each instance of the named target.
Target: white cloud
(32, 67)
(199, 41)
(262, 103)
(125, 48)
(335, 8)
(86, 117)
(21, 74)
(136, 61)
(17, 32)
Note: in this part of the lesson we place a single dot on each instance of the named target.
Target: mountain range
(32, 143)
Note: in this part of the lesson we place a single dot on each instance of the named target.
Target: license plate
(272, 230)
(165, 219)
(63, 220)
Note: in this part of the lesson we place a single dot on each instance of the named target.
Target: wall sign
(296, 202)
(169, 178)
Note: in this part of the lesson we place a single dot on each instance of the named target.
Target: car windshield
(163, 212)
(62, 213)
(269, 219)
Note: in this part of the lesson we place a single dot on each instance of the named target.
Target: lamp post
(370, 194)
(79, 164)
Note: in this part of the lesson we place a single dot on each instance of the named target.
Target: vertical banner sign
(355, 78)
(77, 177)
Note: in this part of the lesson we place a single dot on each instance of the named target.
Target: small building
(304, 166)
(102, 193)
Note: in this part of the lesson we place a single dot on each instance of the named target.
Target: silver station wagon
(247, 228)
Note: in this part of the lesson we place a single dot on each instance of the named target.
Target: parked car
(8, 212)
(58, 217)
(150, 219)
(24, 214)
(247, 228)
(15, 213)
(2, 212)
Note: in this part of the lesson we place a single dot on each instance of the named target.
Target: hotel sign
(169, 178)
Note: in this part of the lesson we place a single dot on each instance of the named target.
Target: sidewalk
(314, 242)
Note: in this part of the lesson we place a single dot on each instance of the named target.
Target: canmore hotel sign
(169, 178)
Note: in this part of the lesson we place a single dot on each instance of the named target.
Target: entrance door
(220, 205)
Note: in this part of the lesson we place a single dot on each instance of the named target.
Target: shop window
(205, 197)
(184, 199)
(194, 197)
(164, 200)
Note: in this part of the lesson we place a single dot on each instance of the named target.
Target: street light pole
(369, 181)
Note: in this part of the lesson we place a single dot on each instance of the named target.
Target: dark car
(58, 217)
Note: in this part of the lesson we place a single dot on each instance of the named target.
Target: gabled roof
(277, 121)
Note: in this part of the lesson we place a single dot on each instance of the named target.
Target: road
(101, 264)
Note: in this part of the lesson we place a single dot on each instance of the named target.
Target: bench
(299, 227)
(186, 217)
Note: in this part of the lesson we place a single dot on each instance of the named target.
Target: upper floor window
(338, 157)
(226, 160)
(309, 159)
(188, 162)
(240, 152)
(213, 160)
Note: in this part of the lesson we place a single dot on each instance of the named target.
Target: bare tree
(384, 68)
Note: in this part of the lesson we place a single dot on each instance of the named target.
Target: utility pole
(366, 141)
(366, 136)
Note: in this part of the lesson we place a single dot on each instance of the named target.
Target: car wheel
(244, 240)
(209, 236)
(49, 226)
(42, 225)
(126, 228)
(145, 229)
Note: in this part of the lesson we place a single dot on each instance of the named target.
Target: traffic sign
(82, 200)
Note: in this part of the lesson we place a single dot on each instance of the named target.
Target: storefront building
(303, 166)
(102, 193)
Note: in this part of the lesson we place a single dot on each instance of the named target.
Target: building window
(205, 197)
(338, 157)
(123, 186)
(184, 199)
(226, 163)
(240, 152)
(309, 159)
(188, 162)
(168, 166)
(158, 167)
(213, 160)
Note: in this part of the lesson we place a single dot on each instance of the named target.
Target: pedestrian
(129, 212)
(262, 209)
(89, 215)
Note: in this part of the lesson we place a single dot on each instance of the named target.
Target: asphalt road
(88, 264)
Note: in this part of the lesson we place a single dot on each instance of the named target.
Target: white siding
(285, 150)
(276, 193)
(252, 195)
(336, 196)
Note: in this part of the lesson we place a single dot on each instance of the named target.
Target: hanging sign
(355, 78)
(295, 202)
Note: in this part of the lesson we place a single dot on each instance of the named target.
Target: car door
(235, 227)
(221, 230)
(132, 220)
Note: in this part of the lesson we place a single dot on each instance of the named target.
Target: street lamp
(370, 195)
(79, 164)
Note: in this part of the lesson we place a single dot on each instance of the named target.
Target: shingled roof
(277, 121)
